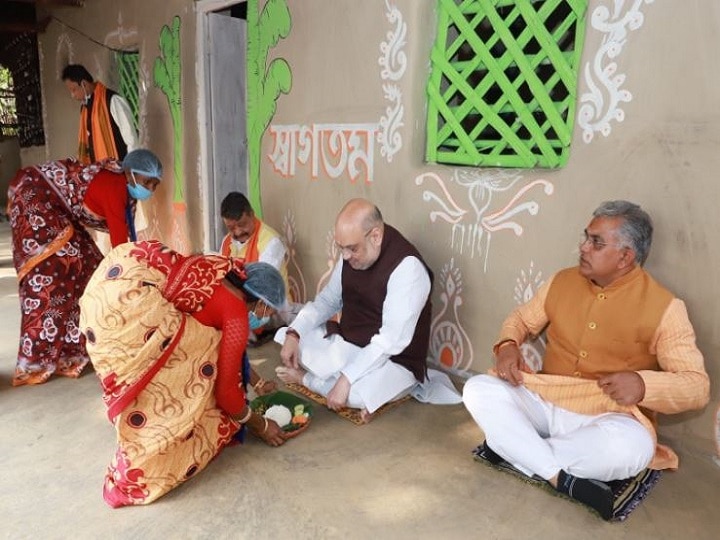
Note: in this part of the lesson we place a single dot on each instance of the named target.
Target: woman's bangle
(247, 416)
(292, 332)
(503, 343)
(266, 426)
(260, 382)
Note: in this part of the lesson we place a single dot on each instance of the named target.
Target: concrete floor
(408, 474)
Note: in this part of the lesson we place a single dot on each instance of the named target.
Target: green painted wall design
(265, 82)
(166, 74)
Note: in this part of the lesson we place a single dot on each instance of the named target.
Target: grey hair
(636, 229)
(372, 219)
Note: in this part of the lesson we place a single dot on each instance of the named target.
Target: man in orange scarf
(106, 120)
(620, 349)
(251, 239)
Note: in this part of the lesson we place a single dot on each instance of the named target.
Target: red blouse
(226, 312)
(107, 196)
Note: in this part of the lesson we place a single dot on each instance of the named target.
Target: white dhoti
(540, 438)
(324, 358)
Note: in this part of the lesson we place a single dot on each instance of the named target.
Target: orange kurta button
(583, 354)
(577, 374)
(592, 326)
(602, 296)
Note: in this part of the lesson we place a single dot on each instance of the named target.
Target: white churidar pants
(324, 358)
(540, 438)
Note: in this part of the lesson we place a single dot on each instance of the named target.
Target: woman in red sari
(167, 335)
(50, 206)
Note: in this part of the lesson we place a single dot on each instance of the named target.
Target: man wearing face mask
(51, 207)
(106, 120)
(253, 240)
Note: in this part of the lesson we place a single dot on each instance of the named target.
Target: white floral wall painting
(450, 346)
(333, 254)
(296, 278)
(474, 220)
(393, 61)
(601, 104)
(526, 285)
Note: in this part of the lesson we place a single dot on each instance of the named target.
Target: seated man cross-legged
(377, 352)
(252, 240)
(620, 348)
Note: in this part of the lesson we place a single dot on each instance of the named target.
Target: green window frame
(128, 63)
(503, 84)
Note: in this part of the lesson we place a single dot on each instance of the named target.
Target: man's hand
(290, 352)
(624, 387)
(338, 396)
(509, 364)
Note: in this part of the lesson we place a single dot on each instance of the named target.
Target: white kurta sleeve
(407, 291)
(123, 117)
(274, 253)
(327, 303)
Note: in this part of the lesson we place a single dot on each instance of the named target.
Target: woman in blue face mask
(51, 206)
(167, 336)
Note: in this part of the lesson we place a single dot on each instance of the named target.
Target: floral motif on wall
(450, 346)
(473, 221)
(602, 103)
(333, 254)
(393, 61)
(296, 279)
(526, 285)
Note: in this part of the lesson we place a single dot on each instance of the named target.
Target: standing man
(106, 121)
(620, 349)
(378, 351)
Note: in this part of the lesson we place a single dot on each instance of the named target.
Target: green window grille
(503, 83)
(8, 110)
(127, 63)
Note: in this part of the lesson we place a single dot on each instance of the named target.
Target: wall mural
(472, 222)
(265, 82)
(298, 289)
(526, 285)
(450, 346)
(343, 149)
(167, 77)
(393, 62)
(336, 149)
(601, 104)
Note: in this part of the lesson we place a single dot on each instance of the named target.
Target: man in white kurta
(365, 375)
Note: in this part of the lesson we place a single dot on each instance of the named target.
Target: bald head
(358, 233)
(359, 214)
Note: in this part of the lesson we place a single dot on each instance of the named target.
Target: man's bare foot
(289, 375)
(365, 416)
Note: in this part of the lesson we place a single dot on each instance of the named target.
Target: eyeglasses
(596, 242)
(354, 248)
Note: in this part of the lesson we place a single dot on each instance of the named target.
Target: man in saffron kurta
(249, 238)
(107, 128)
(620, 348)
(378, 350)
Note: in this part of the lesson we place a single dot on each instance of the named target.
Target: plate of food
(290, 412)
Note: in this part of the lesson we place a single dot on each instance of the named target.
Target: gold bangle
(260, 382)
(266, 426)
(247, 416)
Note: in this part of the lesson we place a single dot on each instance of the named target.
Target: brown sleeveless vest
(595, 331)
(363, 294)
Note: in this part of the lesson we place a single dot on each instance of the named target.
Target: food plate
(296, 405)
